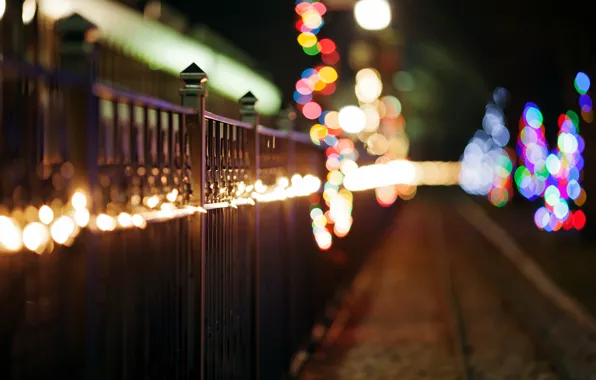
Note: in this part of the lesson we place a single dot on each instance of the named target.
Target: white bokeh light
(373, 14)
(29, 10)
(352, 119)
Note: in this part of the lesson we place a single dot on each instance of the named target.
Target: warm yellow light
(105, 222)
(46, 215)
(404, 173)
(79, 200)
(2, 8)
(283, 182)
(36, 237)
(139, 221)
(373, 14)
(62, 229)
(348, 166)
(328, 74)
(307, 39)
(172, 196)
(167, 207)
(331, 120)
(260, 187)
(377, 144)
(29, 10)
(56, 9)
(152, 201)
(124, 220)
(82, 217)
(366, 73)
(11, 236)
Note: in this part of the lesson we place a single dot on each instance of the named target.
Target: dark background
(532, 48)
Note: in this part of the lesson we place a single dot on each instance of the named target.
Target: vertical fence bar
(77, 56)
(12, 288)
(291, 251)
(193, 95)
(250, 115)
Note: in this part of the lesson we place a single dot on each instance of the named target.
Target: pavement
(565, 256)
(422, 309)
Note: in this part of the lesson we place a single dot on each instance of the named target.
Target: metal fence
(230, 294)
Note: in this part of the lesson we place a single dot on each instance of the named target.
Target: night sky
(262, 28)
(530, 47)
(499, 36)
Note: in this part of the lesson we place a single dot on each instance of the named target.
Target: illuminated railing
(153, 240)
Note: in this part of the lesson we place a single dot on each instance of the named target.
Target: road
(423, 308)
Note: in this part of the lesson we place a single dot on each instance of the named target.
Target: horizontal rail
(109, 92)
(31, 70)
(228, 120)
(272, 132)
(292, 135)
(301, 137)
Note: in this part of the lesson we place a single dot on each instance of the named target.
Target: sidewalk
(392, 325)
(562, 255)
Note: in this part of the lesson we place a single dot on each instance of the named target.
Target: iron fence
(231, 294)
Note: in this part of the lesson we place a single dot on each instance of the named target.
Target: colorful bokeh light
(554, 174)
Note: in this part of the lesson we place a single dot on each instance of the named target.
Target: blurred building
(144, 51)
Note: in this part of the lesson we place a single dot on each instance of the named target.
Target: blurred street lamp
(373, 14)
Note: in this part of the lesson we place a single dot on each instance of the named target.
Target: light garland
(37, 230)
(319, 80)
(486, 165)
(554, 176)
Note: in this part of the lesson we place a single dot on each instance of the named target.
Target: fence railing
(132, 245)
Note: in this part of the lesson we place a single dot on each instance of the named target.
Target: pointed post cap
(248, 99)
(193, 75)
(74, 24)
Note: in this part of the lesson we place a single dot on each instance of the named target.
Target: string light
(61, 225)
(486, 165)
(554, 174)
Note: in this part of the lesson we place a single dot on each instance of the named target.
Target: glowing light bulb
(11, 236)
(105, 222)
(79, 200)
(46, 215)
(36, 236)
(373, 14)
(62, 230)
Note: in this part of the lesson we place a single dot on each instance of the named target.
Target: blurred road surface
(423, 309)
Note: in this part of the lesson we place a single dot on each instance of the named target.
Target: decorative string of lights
(554, 176)
(486, 165)
(376, 122)
(321, 79)
(38, 230)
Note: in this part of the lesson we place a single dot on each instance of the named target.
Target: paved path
(421, 310)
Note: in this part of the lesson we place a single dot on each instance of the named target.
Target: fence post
(77, 58)
(11, 97)
(76, 39)
(291, 264)
(193, 95)
(249, 114)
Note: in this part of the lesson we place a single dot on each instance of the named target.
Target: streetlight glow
(373, 14)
